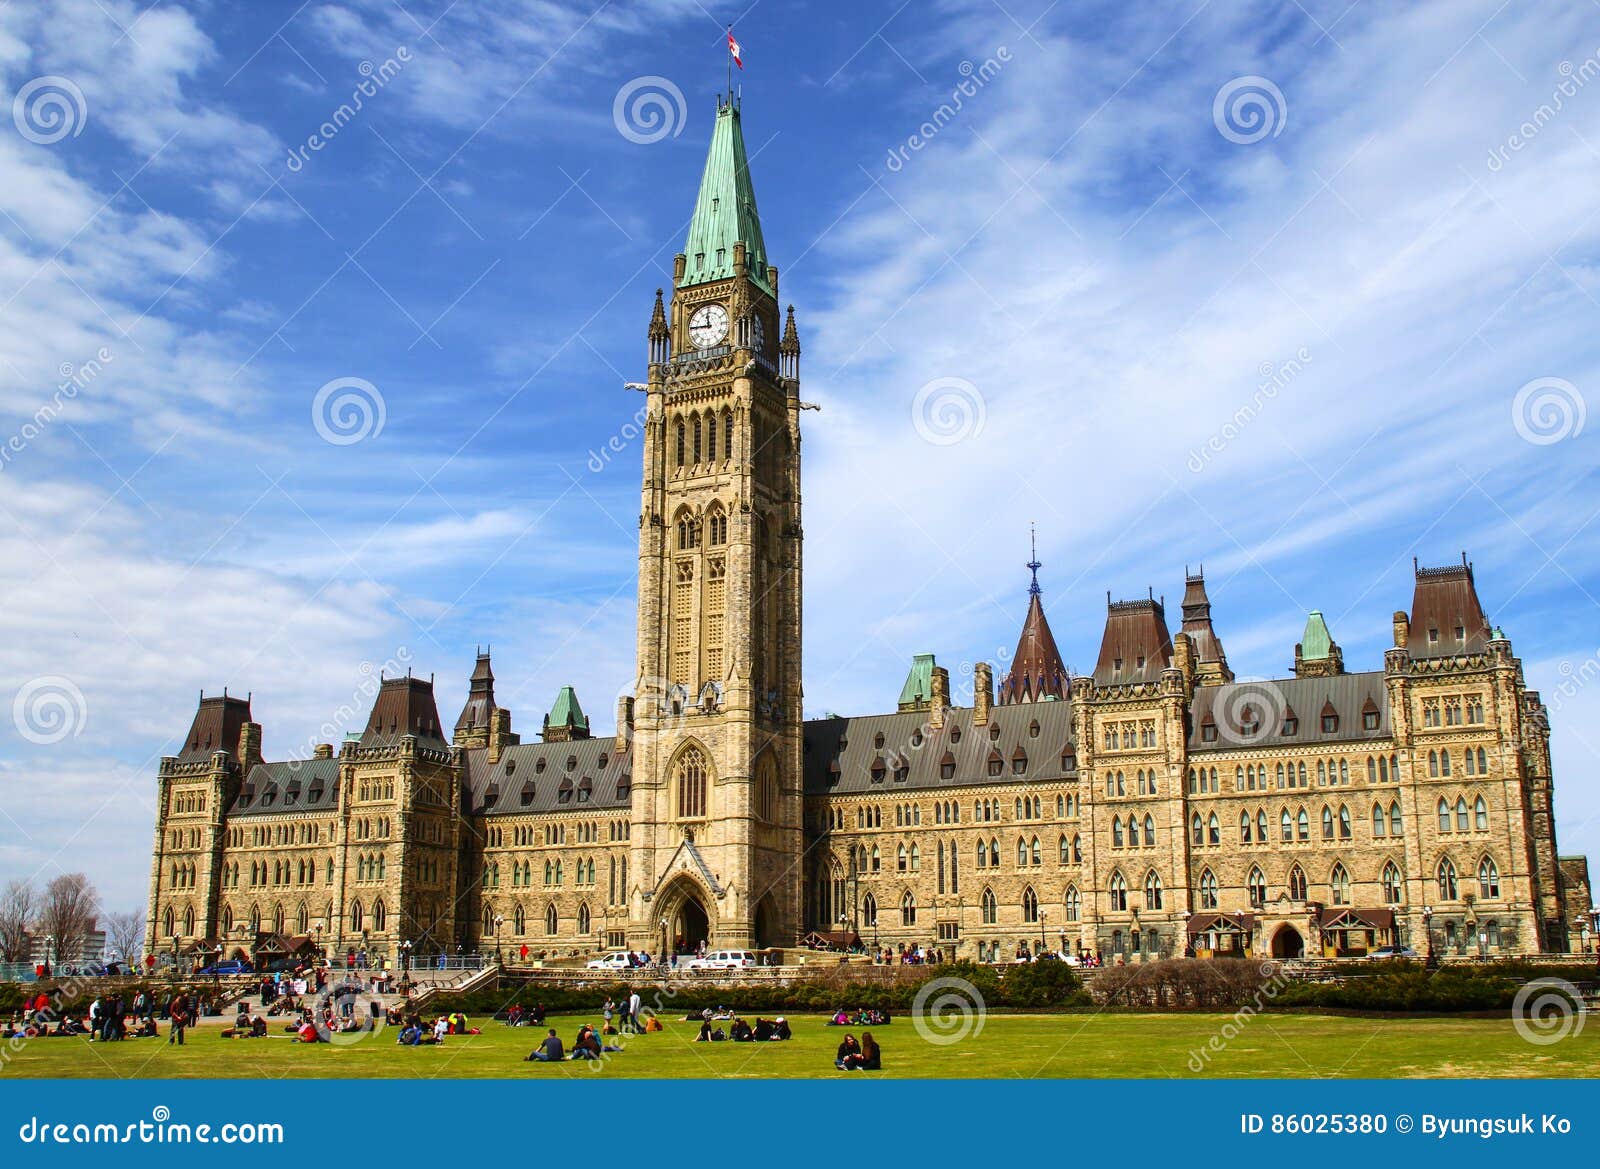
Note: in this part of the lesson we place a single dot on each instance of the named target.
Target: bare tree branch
(67, 915)
(125, 936)
(17, 905)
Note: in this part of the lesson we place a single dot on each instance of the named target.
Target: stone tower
(717, 715)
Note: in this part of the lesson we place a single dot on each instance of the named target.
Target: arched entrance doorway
(1287, 943)
(684, 922)
(767, 924)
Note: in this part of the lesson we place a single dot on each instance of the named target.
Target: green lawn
(1020, 1046)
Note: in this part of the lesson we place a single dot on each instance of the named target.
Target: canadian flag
(735, 50)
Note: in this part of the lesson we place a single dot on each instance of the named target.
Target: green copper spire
(1316, 643)
(725, 211)
(566, 712)
(919, 682)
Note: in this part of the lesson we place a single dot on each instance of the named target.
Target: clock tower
(717, 807)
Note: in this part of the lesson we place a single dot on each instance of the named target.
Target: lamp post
(499, 920)
(1188, 940)
(665, 965)
(216, 964)
(49, 950)
(1594, 916)
(1041, 932)
(1427, 928)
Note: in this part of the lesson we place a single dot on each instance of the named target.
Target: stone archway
(684, 919)
(1287, 943)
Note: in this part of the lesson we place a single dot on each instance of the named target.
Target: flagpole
(729, 52)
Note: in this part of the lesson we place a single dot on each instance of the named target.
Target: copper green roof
(919, 682)
(1316, 643)
(725, 211)
(566, 712)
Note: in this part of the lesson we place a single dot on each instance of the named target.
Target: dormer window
(877, 740)
(996, 763)
(1139, 662)
(947, 766)
(1433, 637)
(1330, 722)
(878, 770)
(994, 732)
(1033, 730)
(511, 766)
(1461, 633)
(955, 734)
(1116, 666)
(1208, 730)
(538, 766)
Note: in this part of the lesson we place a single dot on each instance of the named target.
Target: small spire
(1033, 559)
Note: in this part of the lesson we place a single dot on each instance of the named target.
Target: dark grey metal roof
(548, 777)
(841, 754)
(1349, 696)
(295, 785)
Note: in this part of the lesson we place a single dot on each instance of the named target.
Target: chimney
(982, 693)
(624, 723)
(1402, 630)
(500, 736)
(322, 751)
(939, 699)
(1183, 657)
(249, 745)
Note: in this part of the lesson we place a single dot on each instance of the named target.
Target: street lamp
(499, 920)
(1041, 931)
(49, 950)
(1427, 928)
(1594, 916)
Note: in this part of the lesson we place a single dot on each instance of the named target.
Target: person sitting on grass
(780, 1028)
(410, 1036)
(740, 1032)
(550, 1051)
(587, 1044)
(514, 1015)
(867, 1059)
(848, 1050)
(441, 1028)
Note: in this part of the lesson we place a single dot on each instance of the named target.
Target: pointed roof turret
(725, 212)
(1211, 661)
(480, 696)
(566, 720)
(1446, 616)
(1317, 655)
(1036, 671)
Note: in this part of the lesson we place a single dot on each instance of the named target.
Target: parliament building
(1154, 807)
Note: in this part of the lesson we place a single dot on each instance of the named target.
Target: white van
(620, 960)
(724, 960)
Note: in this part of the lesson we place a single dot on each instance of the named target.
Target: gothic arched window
(690, 781)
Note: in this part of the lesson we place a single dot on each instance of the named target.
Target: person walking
(633, 1013)
(178, 1011)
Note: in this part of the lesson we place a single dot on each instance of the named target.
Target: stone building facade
(1155, 806)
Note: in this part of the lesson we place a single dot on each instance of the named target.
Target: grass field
(1008, 1046)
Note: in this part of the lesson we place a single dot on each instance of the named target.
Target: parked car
(1393, 952)
(724, 960)
(618, 960)
(230, 966)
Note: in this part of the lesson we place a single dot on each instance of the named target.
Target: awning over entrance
(1234, 923)
(284, 945)
(1346, 917)
(833, 939)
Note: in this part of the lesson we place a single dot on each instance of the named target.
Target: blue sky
(1300, 349)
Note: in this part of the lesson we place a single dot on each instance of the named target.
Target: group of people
(864, 1056)
(415, 1033)
(739, 1031)
(860, 1017)
(588, 1044)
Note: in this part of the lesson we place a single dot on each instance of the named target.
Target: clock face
(758, 335)
(708, 326)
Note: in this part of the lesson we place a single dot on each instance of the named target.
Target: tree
(67, 914)
(17, 905)
(125, 936)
